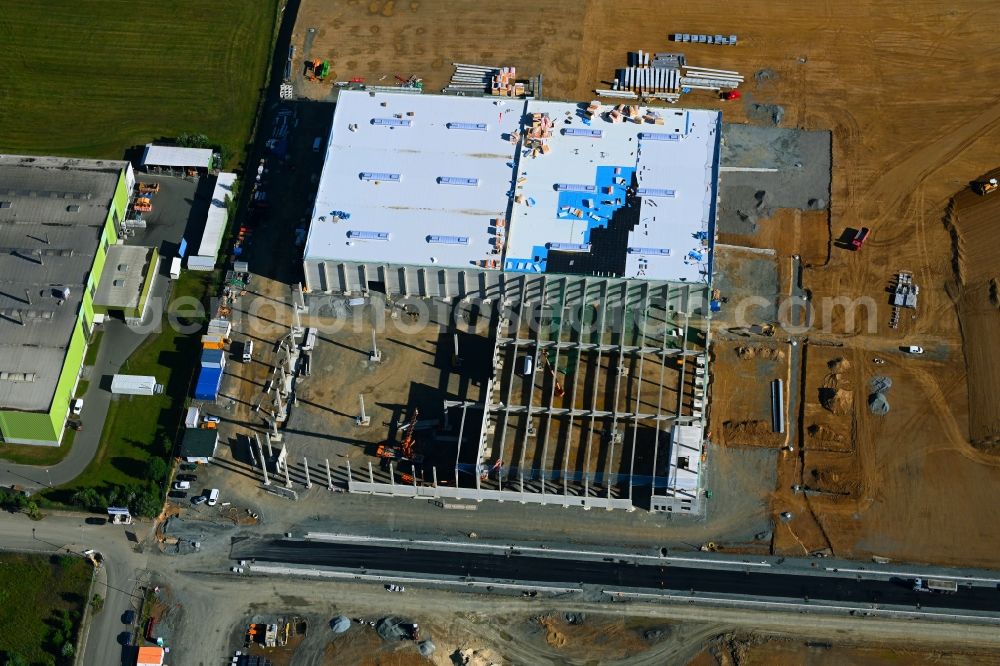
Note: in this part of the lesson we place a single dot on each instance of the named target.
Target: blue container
(213, 358)
(716, 306)
(208, 384)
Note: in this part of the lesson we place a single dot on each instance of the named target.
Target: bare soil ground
(905, 139)
(754, 651)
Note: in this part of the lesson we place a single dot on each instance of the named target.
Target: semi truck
(938, 585)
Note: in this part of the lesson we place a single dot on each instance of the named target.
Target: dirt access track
(904, 87)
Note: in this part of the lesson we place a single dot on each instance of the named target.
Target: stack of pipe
(703, 78)
(471, 78)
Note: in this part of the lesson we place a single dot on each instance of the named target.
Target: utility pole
(363, 419)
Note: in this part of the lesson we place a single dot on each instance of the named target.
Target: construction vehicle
(149, 188)
(937, 585)
(323, 70)
(143, 205)
(730, 95)
(860, 237)
(984, 187)
(762, 329)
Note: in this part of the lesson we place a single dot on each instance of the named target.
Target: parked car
(187, 477)
(213, 497)
(177, 494)
(913, 349)
(76, 406)
(200, 499)
(236, 570)
(188, 467)
(182, 485)
(211, 419)
(128, 617)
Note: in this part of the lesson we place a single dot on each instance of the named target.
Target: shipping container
(192, 417)
(213, 358)
(222, 327)
(135, 385)
(212, 342)
(209, 380)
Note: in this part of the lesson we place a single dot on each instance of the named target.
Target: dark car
(125, 638)
(128, 617)
(187, 477)
(189, 467)
(177, 494)
(96, 521)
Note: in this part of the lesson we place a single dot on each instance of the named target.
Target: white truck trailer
(135, 385)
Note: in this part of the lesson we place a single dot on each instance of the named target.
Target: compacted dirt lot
(904, 86)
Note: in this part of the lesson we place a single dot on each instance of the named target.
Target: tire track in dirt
(892, 186)
(937, 402)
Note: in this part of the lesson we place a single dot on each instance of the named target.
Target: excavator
(984, 187)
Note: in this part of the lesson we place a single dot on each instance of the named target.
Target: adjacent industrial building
(586, 235)
(60, 224)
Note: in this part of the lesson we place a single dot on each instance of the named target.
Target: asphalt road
(754, 583)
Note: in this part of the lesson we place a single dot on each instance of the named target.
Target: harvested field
(93, 79)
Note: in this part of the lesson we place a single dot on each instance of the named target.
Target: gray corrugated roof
(176, 156)
(123, 276)
(45, 247)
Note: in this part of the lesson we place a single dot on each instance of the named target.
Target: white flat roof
(176, 156)
(218, 214)
(414, 179)
(685, 442)
(564, 201)
(394, 190)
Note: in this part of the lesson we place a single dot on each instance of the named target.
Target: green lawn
(91, 78)
(35, 591)
(26, 454)
(139, 428)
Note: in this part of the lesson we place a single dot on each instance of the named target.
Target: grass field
(92, 78)
(35, 590)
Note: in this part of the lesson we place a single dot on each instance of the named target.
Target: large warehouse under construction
(585, 237)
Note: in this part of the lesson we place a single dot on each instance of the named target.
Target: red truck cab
(860, 238)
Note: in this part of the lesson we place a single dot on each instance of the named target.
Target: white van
(527, 365)
(248, 351)
(213, 497)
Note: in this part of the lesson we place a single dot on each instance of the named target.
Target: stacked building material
(536, 137)
(483, 79)
(705, 39)
(703, 78)
(504, 83)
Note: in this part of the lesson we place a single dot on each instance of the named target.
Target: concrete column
(371, 474)
(305, 465)
(329, 477)
(288, 478)
(263, 460)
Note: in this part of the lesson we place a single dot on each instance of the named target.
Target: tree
(97, 603)
(149, 503)
(14, 659)
(192, 140)
(68, 650)
(158, 469)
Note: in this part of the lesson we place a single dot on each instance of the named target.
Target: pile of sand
(480, 657)
(839, 401)
(747, 353)
(553, 636)
(824, 434)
